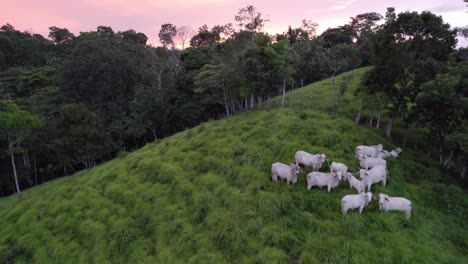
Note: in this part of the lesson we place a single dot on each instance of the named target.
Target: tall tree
(166, 34)
(15, 127)
(133, 36)
(60, 35)
(250, 19)
(407, 51)
(340, 58)
(442, 105)
(183, 36)
(81, 140)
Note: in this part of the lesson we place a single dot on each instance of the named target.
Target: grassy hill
(205, 196)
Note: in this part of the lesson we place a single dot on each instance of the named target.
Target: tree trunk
(404, 141)
(358, 116)
(284, 93)
(371, 119)
(226, 107)
(260, 102)
(302, 82)
(388, 133)
(268, 101)
(252, 101)
(447, 160)
(153, 129)
(441, 158)
(35, 172)
(378, 119)
(463, 172)
(14, 173)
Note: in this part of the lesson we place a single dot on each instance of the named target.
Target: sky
(147, 16)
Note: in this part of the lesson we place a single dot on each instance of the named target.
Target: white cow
(339, 168)
(353, 201)
(321, 179)
(353, 182)
(374, 175)
(396, 152)
(310, 160)
(369, 162)
(388, 203)
(370, 151)
(285, 172)
(383, 154)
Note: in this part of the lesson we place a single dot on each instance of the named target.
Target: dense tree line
(417, 75)
(92, 96)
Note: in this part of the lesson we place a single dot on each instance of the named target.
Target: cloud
(342, 4)
(449, 7)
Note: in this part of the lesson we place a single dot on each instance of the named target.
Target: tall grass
(205, 196)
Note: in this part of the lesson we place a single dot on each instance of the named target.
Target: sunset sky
(147, 15)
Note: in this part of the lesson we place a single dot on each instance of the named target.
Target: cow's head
(368, 197)
(335, 176)
(324, 158)
(382, 199)
(362, 173)
(361, 157)
(347, 176)
(379, 147)
(340, 175)
(295, 170)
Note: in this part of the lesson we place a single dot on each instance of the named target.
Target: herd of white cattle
(373, 170)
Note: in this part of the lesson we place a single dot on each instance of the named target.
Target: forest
(69, 103)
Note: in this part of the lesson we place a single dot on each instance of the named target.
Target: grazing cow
(370, 151)
(353, 182)
(321, 179)
(374, 175)
(285, 172)
(339, 168)
(310, 160)
(369, 162)
(388, 203)
(396, 152)
(353, 201)
(383, 154)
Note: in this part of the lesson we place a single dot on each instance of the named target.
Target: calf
(396, 152)
(353, 182)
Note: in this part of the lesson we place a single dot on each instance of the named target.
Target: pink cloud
(148, 15)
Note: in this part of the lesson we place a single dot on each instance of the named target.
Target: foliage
(408, 50)
(250, 19)
(441, 103)
(60, 35)
(15, 125)
(167, 33)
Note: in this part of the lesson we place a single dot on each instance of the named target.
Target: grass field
(205, 195)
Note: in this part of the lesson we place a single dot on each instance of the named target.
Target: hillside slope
(205, 196)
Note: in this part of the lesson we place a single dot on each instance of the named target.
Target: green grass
(205, 196)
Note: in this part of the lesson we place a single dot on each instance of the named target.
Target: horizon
(147, 16)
